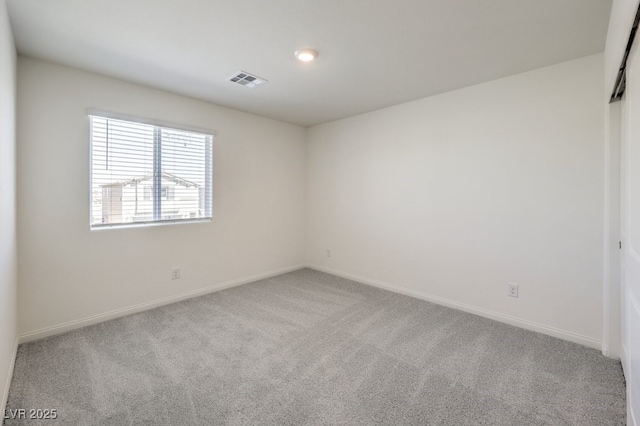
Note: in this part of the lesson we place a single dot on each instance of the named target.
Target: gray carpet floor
(311, 348)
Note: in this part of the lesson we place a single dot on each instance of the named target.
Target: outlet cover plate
(175, 273)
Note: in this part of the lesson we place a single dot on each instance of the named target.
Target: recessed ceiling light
(306, 55)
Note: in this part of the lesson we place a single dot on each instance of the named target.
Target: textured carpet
(311, 348)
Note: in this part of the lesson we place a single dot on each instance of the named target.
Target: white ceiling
(373, 53)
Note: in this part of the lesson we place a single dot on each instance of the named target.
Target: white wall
(69, 274)
(453, 196)
(8, 248)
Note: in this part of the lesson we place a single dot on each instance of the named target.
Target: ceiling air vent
(247, 80)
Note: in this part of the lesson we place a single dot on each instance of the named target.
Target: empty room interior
(320, 212)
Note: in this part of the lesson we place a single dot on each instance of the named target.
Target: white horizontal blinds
(185, 161)
(141, 173)
(121, 163)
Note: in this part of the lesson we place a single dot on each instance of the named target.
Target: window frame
(159, 124)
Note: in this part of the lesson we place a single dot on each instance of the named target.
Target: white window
(143, 173)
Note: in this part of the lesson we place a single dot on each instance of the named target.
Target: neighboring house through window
(143, 173)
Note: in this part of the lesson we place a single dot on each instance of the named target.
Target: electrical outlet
(175, 273)
(328, 253)
(512, 290)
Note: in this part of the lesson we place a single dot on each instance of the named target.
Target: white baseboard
(507, 319)
(95, 319)
(7, 385)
